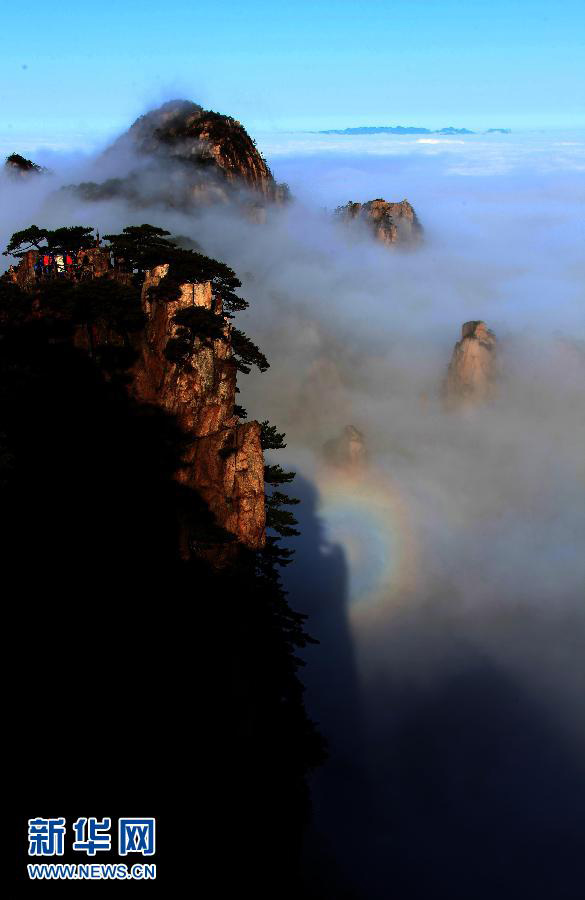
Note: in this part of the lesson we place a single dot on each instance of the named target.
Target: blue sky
(74, 73)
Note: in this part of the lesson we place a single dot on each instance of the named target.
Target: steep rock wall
(391, 223)
(196, 157)
(471, 374)
(224, 462)
(24, 273)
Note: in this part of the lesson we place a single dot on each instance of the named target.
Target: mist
(447, 585)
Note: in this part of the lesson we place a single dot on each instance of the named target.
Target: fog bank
(447, 585)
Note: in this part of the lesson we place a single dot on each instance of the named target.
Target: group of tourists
(44, 264)
(69, 264)
(49, 265)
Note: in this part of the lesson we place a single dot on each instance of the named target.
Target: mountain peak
(391, 223)
(205, 139)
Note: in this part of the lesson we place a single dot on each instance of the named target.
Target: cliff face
(24, 273)
(224, 461)
(471, 374)
(203, 139)
(186, 157)
(223, 457)
(391, 223)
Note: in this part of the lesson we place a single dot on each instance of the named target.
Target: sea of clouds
(456, 689)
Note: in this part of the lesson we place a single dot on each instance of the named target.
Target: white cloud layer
(491, 505)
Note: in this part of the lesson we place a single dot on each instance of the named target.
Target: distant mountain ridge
(409, 129)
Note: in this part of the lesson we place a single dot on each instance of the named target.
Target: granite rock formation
(23, 274)
(471, 375)
(224, 459)
(202, 139)
(347, 452)
(186, 157)
(391, 223)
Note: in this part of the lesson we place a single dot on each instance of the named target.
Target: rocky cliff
(471, 374)
(390, 223)
(224, 459)
(347, 452)
(202, 139)
(118, 443)
(23, 274)
(182, 156)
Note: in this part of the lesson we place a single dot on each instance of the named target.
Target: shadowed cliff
(146, 674)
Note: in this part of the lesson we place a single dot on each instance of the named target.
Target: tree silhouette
(246, 353)
(278, 519)
(141, 246)
(70, 237)
(16, 161)
(275, 474)
(28, 239)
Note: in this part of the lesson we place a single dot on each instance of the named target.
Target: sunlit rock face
(391, 223)
(204, 139)
(471, 376)
(347, 452)
(224, 461)
(96, 260)
(223, 457)
(183, 157)
(201, 395)
(23, 274)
